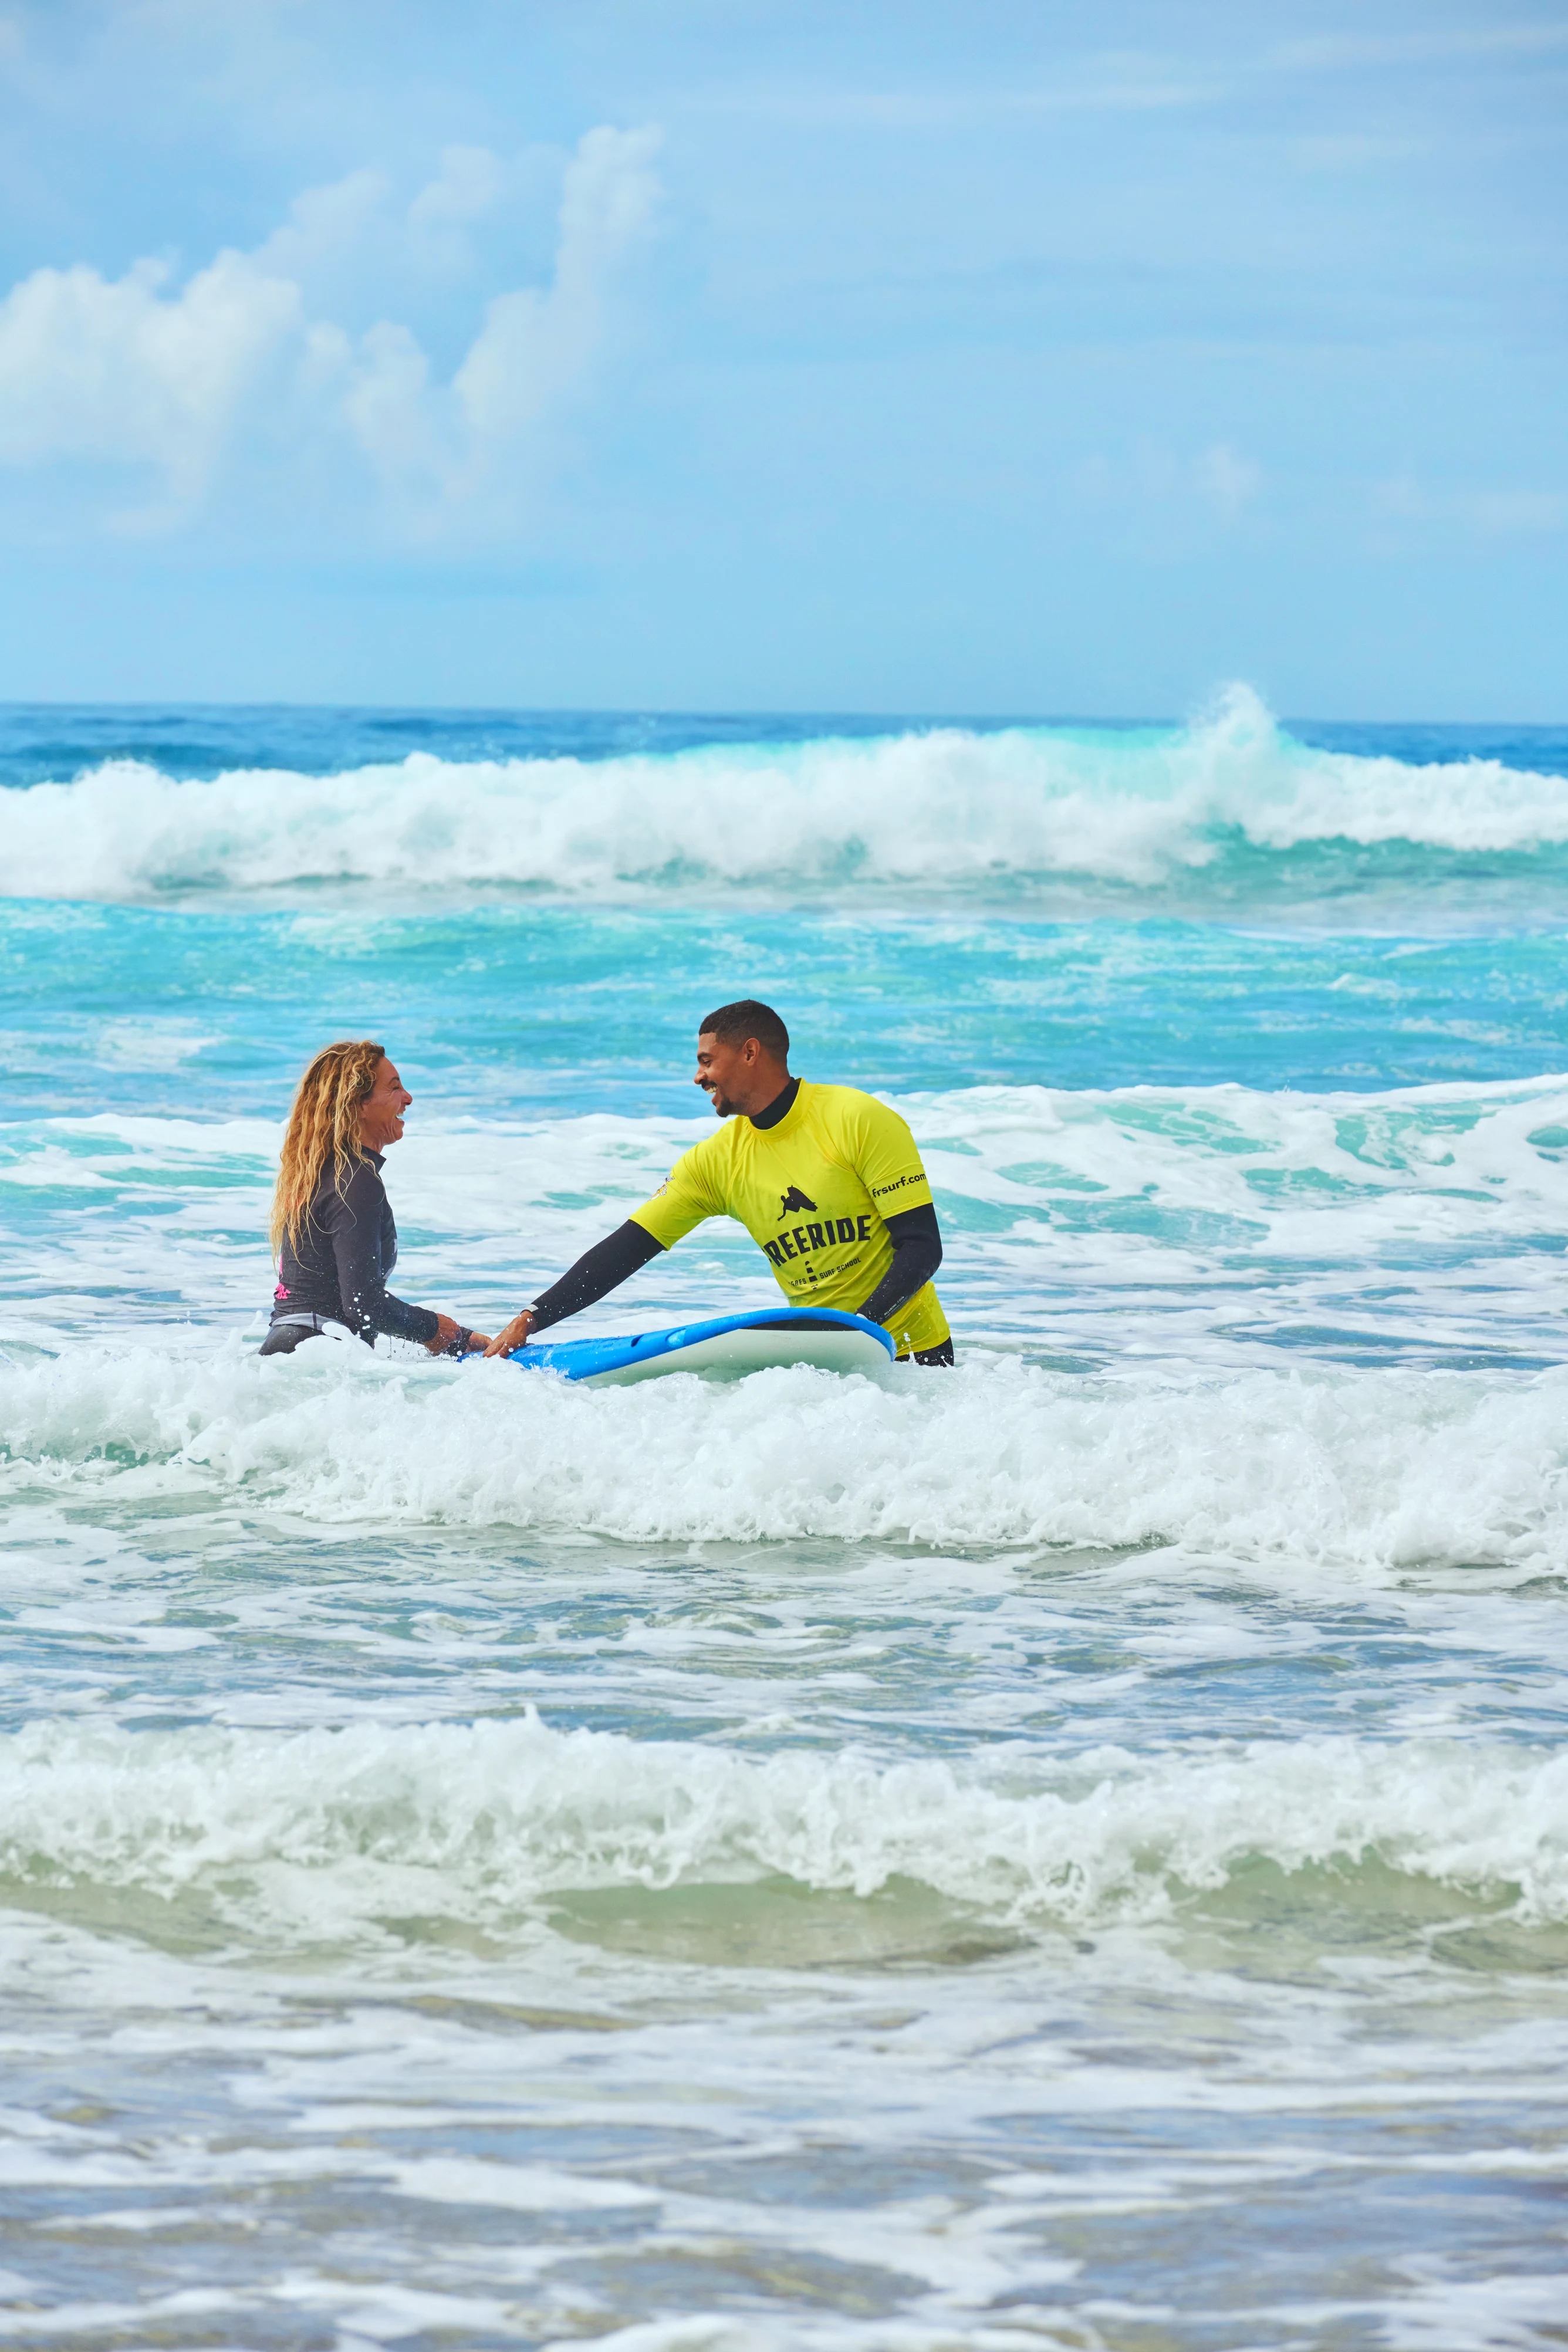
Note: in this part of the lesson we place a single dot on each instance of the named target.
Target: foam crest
(1228, 1149)
(1376, 1471)
(944, 808)
(487, 1817)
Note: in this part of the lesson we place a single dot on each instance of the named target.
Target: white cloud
(355, 235)
(1352, 150)
(118, 370)
(535, 348)
(1330, 50)
(1518, 513)
(532, 344)
(1402, 500)
(386, 401)
(139, 372)
(1489, 513)
(470, 184)
(327, 226)
(1153, 478)
(1226, 478)
(1109, 85)
(1115, 82)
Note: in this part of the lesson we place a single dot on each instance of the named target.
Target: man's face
(723, 1070)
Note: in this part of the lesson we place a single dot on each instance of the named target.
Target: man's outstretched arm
(917, 1253)
(597, 1273)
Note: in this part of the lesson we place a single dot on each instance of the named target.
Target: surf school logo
(795, 1201)
(804, 1241)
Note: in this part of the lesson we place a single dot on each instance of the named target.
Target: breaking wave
(1371, 1471)
(1228, 800)
(489, 1817)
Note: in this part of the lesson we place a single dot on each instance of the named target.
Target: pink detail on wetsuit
(280, 1292)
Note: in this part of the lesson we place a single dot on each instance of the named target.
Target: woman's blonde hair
(323, 1125)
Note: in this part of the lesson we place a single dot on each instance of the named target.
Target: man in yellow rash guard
(826, 1180)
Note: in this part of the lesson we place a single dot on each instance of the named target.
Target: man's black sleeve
(598, 1270)
(917, 1253)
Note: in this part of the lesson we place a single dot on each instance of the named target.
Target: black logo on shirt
(804, 1240)
(795, 1201)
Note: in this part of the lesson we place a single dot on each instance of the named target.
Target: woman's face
(381, 1113)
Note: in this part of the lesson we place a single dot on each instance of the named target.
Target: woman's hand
(514, 1336)
(447, 1332)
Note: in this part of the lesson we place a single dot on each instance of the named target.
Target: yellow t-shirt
(813, 1192)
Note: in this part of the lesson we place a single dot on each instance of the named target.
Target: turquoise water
(1070, 1853)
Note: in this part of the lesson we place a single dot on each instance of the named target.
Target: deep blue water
(54, 741)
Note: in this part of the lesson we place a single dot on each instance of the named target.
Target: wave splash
(485, 1819)
(1373, 1472)
(945, 808)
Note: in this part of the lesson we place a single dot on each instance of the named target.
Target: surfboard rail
(761, 1340)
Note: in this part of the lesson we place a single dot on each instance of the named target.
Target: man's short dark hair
(733, 1024)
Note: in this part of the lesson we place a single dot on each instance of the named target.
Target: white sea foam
(942, 808)
(484, 1818)
(1370, 1471)
(1007, 1146)
(1187, 1224)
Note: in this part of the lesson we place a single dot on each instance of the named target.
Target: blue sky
(991, 358)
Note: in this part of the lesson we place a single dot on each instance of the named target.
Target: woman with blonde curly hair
(332, 1232)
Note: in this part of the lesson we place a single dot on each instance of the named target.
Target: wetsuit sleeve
(597, 1271)
(685, 1198)
(887, 1160)
(917, 1253)
(355, 1224)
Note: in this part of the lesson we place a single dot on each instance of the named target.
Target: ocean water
(1071, 1852)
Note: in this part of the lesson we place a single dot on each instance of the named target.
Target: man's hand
(514, 1336)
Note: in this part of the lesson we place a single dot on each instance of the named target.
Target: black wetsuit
(337, 1273)
(914, 1233)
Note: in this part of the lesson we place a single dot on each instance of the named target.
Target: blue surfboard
(726, 1346)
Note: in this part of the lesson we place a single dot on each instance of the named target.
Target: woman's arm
(368, 1306)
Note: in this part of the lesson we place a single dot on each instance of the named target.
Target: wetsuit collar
(779, 1108)
(376, 1159)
